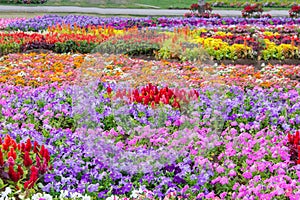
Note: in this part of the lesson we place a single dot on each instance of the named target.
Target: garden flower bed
(89, 119)
(222, 43)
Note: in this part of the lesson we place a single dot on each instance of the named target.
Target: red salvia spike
(23, 147)
(38, 161)
(296, 141)
(5, 146)
(42, 150)
(9, 154)
(7, 139)
(20, 170)
(1, 158)
(27, 160)
(12, 153)
(298, 162)
(14, 144)
(10, 170)
(297, 134)
(46, 155)
(290, 138)
(35, 145)
(0, 141)
(28, 145)
(19, 147)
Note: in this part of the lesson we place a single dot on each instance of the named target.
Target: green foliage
(74, 47)
(129, 47)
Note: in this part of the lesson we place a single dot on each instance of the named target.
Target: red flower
(33, 178)
(20, 170)
(109, 90)
(27, 160)
(28, 145)
(46, 155)
(12, 153)
(1, 158)
(15, 176)
(35, 145)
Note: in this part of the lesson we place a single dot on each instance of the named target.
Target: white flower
(75, 195)
(112, 198)
(6, 192)
(63, 194)
(85, 197)
(134, 194)
(47, 197)
(36, 196)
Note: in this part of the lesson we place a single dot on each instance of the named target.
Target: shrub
(294, 12)
(254, 10)
(23, 1)
(198, 11)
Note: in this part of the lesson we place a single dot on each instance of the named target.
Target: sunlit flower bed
(108, 126)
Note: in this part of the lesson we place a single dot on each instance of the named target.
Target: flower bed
(104, 126)
(43, 22)
(5, 21)
(242, 144)
(223, 43)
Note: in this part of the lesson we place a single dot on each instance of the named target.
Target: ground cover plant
(121, 109)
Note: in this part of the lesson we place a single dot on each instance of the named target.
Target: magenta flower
(247, 175)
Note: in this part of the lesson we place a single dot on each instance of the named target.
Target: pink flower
(288, 192)
(168, 123)
(235, 186)
(184, 189)
(216, 180)
(231, 165)
(234, 123)
(11, 161)
(223, 195)
(210, 195)
(232, 173)
(247, 175)
(233, 131)
(200, 195)
(224, 180)
(120, 144)
(220, 169)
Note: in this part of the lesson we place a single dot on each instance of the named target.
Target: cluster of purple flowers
(43, 22)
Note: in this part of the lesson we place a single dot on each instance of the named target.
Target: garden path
(120, 11)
